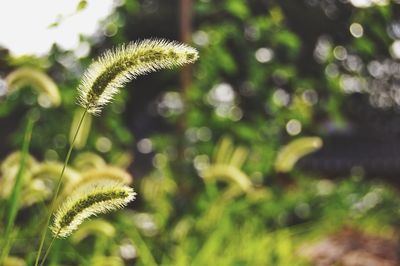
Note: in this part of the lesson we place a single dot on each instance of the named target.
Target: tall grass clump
(102, 80)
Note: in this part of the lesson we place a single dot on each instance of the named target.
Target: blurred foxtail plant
(38, 180)
(99, 84)
(49, 96)
(226, 166)
(289, 154)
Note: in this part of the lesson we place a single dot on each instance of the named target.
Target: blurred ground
(351, 247)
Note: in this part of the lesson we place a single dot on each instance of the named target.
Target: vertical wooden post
(185, 78)
(186, 31)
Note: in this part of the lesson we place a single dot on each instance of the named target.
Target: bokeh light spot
(293, 127)
(356, 30)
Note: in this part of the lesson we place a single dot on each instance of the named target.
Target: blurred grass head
(49, 93)
(289, 154)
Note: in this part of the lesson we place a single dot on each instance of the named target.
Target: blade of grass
(13, 203)
(55, 255)
(48, 250)
(53, 203)
(145, 254)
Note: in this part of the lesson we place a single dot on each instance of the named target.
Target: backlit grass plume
(88, 160)
(27, 76)
(294, 151)
(103, 79)
(92, 199)
(102, 174)
(83, 134)
(227, 163)
(114, 68)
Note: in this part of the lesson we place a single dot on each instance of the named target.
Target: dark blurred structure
(370, 141)
(370, 144)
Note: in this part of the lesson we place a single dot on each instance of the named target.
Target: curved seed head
(289, 154)
(114, 68)
(101, 174)
(27, 76)
(91, 199)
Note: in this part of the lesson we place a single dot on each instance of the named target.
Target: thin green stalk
(13, 203)
(48, 250)
(2, 207)
(99, 247)
(147, 258)
(53, 203)
(55, 253)
(146, 255)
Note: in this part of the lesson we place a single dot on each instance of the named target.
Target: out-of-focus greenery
(212, 193)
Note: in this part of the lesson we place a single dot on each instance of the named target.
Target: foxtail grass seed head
(88, 160)
(91, 199)
(14, 159)
(83, 133)
(102, 174)
(49, 93)
(98, 227)
(114, 68)
(289, 154)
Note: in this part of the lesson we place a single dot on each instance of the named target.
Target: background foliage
(269, 72)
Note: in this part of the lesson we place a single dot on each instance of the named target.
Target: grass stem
(48, 250)
(13, 203)
(53, 203)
